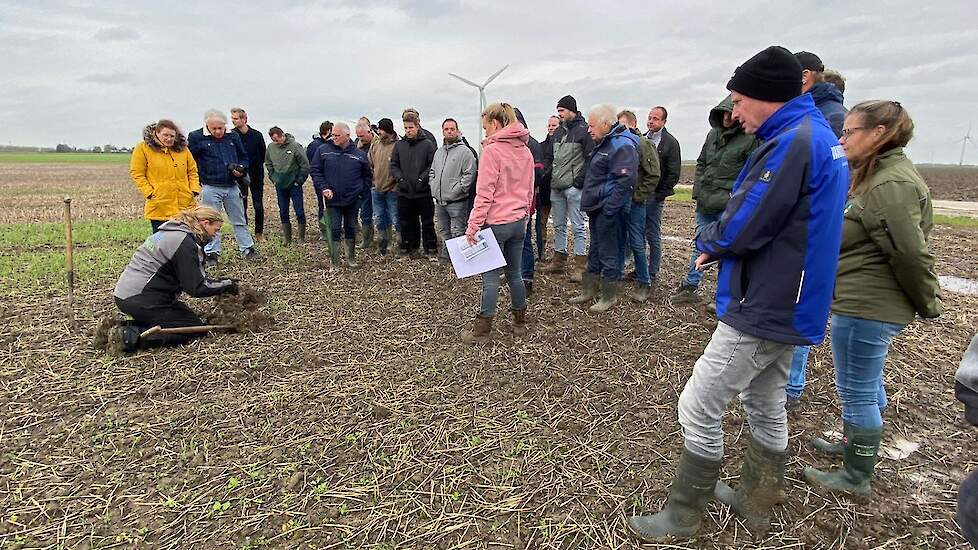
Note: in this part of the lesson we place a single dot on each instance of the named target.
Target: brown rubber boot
(481, 331)
(557, 265)
(761, 487)
(519, 322)
(641, 293)
(580, 266)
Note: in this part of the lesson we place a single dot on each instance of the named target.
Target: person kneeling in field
(169, 262)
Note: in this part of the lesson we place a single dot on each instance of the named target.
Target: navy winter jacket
(778, 238)
(612, 170)
(346, 172)
(215, 156)
(828, 99)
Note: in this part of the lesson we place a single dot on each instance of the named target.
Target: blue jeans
(636, 241)
(367, 209)
(694, 276)
(294, 194)
(510, 237)
(345, 216)
(385, 209)
(228, 200)
(567, 204)
(605, 257)
(653, 234)
(528, 253)
(799, 369)
(859, 348)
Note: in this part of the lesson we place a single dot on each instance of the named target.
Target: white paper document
(484, 255)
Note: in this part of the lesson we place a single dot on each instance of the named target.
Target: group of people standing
(808, 209)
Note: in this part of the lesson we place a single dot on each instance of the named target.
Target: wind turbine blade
(497, 73)
(467, 81)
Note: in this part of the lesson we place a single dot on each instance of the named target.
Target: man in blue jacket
(342, 172)
(606, 197)
(778, 244)
(221, 163)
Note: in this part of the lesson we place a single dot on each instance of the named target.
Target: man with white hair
(341, 170)
(221, 163)
(606, 197)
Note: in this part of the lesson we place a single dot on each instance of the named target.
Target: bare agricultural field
(360, 421)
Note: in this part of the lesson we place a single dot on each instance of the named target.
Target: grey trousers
(736, 363)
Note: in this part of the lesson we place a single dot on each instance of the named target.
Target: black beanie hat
(810, 61)
(773, 74)
(386, 125)
(568, 102)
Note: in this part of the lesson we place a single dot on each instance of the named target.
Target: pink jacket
(504, 190)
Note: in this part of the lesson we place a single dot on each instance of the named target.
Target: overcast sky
(90, 73)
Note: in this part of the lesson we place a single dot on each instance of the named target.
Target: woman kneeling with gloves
(169, 262)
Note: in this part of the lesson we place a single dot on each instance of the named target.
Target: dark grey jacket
(170, 261)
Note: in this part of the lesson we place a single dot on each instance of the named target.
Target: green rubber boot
(590, 284)
(834, 449)
(858, 463)
(761, 487)
(351, 253)
(691, 491)
(609, 297)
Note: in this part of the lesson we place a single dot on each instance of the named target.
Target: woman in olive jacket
(884, 279)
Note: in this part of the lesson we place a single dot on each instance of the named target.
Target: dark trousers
(257, 186)
(653, 234)
(293, 193)
(155, 224)
(320, 201)
(147, 314)
(527, 264)
(417, 217)
(607, 235)
(344, 217)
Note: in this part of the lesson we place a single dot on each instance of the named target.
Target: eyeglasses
(847, 132)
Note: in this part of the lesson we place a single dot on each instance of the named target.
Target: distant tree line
(109, 148)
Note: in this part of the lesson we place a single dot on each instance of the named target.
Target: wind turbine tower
(482, 95)
(964, 143)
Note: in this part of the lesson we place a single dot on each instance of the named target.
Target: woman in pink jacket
(502, 200)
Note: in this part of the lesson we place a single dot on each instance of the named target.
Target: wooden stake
(70, 263)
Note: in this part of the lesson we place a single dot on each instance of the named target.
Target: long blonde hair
(503, 113)
(898, 132)
(191, 217)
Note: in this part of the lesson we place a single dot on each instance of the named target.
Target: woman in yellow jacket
(165, 172)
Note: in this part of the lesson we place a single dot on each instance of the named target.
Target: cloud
(108, 78)
(116, 34)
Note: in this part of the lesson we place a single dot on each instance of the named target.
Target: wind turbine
(964, 142)
(482, 94)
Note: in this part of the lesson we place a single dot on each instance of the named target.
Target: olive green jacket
(721, 159)
(886, 271)
(648, 169)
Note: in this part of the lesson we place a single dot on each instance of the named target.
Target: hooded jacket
(828, 99)
(723, 155)
(313, 147)
(166, 176)
(216, 156)
(379, 157)
(572, 146)
(286, 164)
(538, 159)
(886, 271)
(452, 172)
(611, 173)
(778, 237)
(411, 165)
(504, 190)
(169, 262)
(344, 171)
(648, 169)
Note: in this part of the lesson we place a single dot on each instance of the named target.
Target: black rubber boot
(761, 487)
(334, 255)
(368, 236)
(351, 253)
(691, 492)
(590, 284)
(858, 462)
(302, 232)
(386, 236)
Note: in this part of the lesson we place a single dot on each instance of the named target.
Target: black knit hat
(810, 61)
(773, 74)
(386, 125)
(568, 102)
